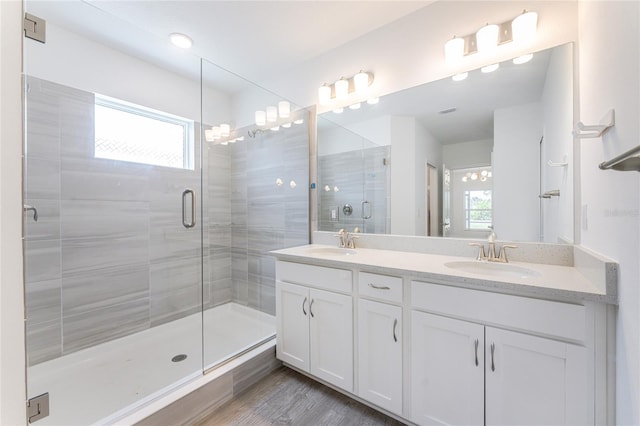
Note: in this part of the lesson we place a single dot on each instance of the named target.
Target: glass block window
(477, 209)
(128, 132)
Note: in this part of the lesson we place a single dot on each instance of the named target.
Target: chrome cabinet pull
(493, 365)
(310, 307)
(395, 325)
(379, 287)
(303, 302)
(476, 344)
(192, 223)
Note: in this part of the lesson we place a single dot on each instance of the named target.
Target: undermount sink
(331, 251)
(492, 269)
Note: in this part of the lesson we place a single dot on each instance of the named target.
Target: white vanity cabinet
(467, 373)
(380, 341)
(314, 325)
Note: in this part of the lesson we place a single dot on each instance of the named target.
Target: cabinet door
(380, 354)
(292, 325)
(447, 364)
(535, 381)
(331, 334)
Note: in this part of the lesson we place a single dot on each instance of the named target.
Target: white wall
(516, 152)
(74, 61)
(557, 111)
(467, 154)
(609, 52)
(12, 354)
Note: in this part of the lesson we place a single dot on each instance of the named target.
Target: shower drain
(179, 358)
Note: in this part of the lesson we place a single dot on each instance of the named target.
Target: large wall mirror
(457, 157)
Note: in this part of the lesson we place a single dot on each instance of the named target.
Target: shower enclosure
(147, 229)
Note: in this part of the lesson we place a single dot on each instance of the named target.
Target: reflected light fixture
(272, 114)
(286, 125)
(215, 132)
(261, 118)
(225, 130)
(298, 121)
(275, 129)
(355, 106)
(460, 77)
(208, 135)
(284, 109)
(180, 40)
(523, 59)
(338, 110)
(523, 27)
(490, 68)
(342, 88)
(373, 101)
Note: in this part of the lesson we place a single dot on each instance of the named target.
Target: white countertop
(554, 282)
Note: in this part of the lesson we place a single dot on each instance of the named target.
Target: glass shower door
(113, 250)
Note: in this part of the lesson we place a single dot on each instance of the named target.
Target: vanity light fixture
(460, 77)
(338, 110)
(215, 131)
(284, 109)
(523, 59)
(181, 40)
(373, 101)
(521, 29)
(342, 88)
(208, 135)
(490, 68)
(261, 118)
(272, 114)
(225, 130)
(355, 106)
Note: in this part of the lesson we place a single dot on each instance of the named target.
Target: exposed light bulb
(484, 173)
(324, 94)
(278, 182)
(275, 129)
(487, 38)
(292, 184)
(523, 27)
(483, 179)
(355, 106)
(523, 59)
(464, 178)
(272, 114)
(460, 77)
(336, 189)
(286, 125)
(261, 118)
(454, 49)
(180, 40)
(338, 110)
(284, 109)
(490, 68)
(342, 88)
(225, 143)
(298, 121)
(240, 138)
(327, 188)
(373, 101)
(474, 176)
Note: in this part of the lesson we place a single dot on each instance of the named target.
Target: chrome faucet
(491, 256)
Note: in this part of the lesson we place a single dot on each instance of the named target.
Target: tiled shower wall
(251, 214)
(358, 175)
(109, 256)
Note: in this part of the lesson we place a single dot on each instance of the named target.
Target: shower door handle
(192, 221)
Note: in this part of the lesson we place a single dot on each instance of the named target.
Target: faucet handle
(481, 254)
(341, 237)
(351, 243)
(503, 252)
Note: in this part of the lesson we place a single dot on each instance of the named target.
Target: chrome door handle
(303, 302)
(368, 215)
(477, 342)
(395, 325)
(28, 208)
(310, 307)
(192, 222)
(493, 365)
(379, 287)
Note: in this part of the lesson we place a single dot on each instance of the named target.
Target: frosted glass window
(128, 132)
(477, 209)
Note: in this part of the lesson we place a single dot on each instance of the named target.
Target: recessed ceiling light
(522, 59)
(490, 68)
(181, 40)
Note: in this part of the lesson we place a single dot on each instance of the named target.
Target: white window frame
(188, 126)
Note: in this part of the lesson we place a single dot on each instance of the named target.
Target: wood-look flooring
(286, 397)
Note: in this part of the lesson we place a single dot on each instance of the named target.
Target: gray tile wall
(359, 175)
(109, 255)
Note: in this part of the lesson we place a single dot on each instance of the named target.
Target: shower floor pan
(90, 385)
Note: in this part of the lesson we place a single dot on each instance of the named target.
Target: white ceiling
(254, 39)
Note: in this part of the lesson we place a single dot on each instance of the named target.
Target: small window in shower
(128, 132)
(477, 209)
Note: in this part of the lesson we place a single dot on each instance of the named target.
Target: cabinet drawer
(381, 287)
(315, 276)
(563, 320)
